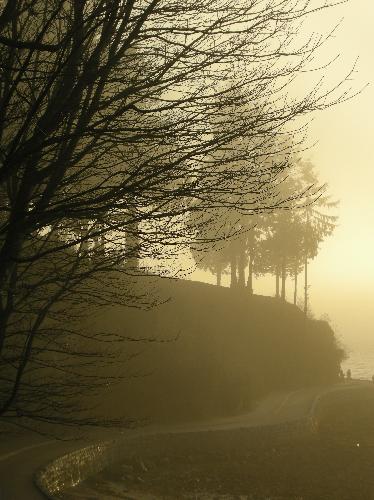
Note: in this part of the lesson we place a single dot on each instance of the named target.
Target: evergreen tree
(317, 222)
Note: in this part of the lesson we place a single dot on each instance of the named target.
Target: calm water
(361, 357)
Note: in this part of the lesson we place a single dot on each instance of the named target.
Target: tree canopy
(278, 242)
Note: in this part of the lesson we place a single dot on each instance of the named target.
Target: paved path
(18, 466)
(21, 456)
(273, 410)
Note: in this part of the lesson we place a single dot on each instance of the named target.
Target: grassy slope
(231, 349)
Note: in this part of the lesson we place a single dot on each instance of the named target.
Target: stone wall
(71, 469)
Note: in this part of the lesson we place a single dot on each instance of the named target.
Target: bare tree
(108, 109)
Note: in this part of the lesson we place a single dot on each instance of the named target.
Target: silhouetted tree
(317, 222)
(210, 249)
(106, 116)
(293, 236)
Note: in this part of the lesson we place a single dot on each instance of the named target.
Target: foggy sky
(342, 275)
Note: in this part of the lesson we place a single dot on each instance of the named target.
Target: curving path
(22, 455)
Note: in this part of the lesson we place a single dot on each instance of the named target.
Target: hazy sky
(342, 275)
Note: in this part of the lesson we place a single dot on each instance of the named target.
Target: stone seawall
(73, 468)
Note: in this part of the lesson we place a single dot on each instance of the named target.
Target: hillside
(217, 350)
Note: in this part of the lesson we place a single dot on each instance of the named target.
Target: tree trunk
(99, 244)
(284, 275)
(234, 281)
(132, 247)
(277, 281)
(219, 274)
(241, 269)
(295, 286)
(250, 274)
(84, 227)
(306, 287)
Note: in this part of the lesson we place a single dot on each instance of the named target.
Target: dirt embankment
(221, 350)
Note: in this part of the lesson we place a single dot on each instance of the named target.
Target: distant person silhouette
(341, 375)
(349, 374)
